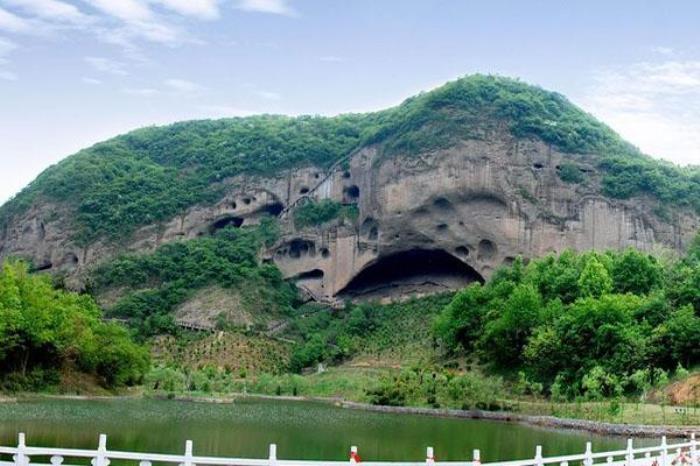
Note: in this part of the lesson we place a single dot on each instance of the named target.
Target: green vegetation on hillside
(152, 174)
(44, 331)
(593, 325)
(318, 213)
(631, 176)
(393, 332)
(158, 282)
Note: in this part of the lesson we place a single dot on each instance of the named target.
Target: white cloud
(140, 92)
(107, 65)
(92, 81)
(181, 85)
(277, 7)
(661, 50)
(13, 23)
(269, 95)
(126, 10)
(6, 46)
(654, 105)
(7, 75)
(204, 9)
(52, 10)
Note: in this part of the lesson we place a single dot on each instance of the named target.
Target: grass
(613, 412)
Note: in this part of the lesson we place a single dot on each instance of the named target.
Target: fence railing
(678, 454)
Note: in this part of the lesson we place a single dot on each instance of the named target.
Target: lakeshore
(547, 421)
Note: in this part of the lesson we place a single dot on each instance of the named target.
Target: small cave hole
(373, 233)
(304, 190)
(274, 209)
(369, 228)
(441, 227)
(487, 249)
(351, 193)
(222, 223)
(325, 253)
(462, 251)
(301, 247)
(234, 206)
(314, 274)
(317, 175)
(442, 203)
(346, 174)
(47, 265)
(246, 200)
(538, 166)
(508, 260)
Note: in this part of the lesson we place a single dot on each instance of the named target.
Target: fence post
(588, 455)
(630, 452)
(272, 458)
(477, 458)
(101, 456)
(188, 454)
(353, 455)
(538, 455)
(20, 458)
(429, 456)
(693, 449)
(664, 452)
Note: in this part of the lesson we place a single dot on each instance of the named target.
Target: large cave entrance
(416, 271)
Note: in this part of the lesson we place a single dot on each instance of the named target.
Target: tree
(505, 336)
(43, 330)
(635, 272)
(595, 280)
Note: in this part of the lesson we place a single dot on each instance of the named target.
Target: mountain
(423, 197)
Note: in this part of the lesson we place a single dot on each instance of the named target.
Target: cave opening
(315, 274)
(300, 247)
(351, 194)
(222, 223)
(274, 209)
(412, 271)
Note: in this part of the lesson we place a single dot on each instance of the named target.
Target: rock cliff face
(427, 222)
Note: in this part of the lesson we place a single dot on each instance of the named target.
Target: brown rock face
(426, 223)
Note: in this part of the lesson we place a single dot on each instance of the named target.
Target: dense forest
(589, 324)
(46, 332)
(152, 174)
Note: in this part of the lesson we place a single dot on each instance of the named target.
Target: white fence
(678, 454)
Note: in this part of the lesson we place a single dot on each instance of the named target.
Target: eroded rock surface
(426, 223)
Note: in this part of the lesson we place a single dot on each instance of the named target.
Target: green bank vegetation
(585, 325)
(45, 332)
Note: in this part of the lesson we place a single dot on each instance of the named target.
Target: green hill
(152, 174)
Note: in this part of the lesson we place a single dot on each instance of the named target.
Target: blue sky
(74, 72)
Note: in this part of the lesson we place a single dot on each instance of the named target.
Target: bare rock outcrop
(427, 222)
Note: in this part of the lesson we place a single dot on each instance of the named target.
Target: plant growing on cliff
(167, 277)
(318, 213)
(570, 173)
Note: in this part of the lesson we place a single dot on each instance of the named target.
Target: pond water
(301, 430)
